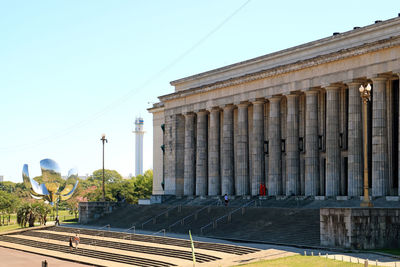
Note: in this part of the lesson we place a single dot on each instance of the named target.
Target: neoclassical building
(291, 120)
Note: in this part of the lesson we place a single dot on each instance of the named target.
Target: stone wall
(90, 211)
(360, 228)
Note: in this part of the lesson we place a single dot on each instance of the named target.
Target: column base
(320, 197)
(362, 198)
(392, 198)
(366, 204)
(342, 198)
(301, 197)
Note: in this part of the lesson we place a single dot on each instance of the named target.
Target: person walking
(57, 221)
(226, 200)
(70, 244)
(76, 239)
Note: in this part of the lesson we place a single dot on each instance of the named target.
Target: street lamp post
(103, 139)
(365, 93)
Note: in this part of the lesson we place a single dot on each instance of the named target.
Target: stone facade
(291, 120)
(91, 211)
(360, 228)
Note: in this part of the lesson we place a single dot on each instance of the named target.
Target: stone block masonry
(360, 228)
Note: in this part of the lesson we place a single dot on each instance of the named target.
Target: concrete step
(86, 252)
(225, 248)
(175, 253)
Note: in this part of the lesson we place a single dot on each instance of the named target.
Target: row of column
(210, 164)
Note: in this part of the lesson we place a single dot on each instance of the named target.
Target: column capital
(257, 101)
(355, 82)
(333, 87)
(188, 113)
(227, 106)
(213, 109)
(275, 99)
(379, 79)
(201, 112)
(292, 96)
(312, 92)
(243, 105)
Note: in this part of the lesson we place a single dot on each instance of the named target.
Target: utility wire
(129, 94)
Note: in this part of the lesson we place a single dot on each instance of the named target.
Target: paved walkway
(15, 258)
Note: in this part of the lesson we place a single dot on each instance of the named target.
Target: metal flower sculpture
(52, 188)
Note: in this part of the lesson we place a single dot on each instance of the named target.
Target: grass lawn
(301, 261)
(393, 251)
(9, 227)
(64, 215)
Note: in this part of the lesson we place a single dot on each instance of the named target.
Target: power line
(129, 94)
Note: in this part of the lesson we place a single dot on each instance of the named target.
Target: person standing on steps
(76, 239)
(226, 200)
(57, 221)
(70, 244)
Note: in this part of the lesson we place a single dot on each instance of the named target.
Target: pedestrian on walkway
(76, 239)
(57, 221)
(226, 200)
(70, 244)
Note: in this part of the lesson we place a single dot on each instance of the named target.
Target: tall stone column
(292, 146)
(214, 176)
(174, 154)
(332, 141)
(242, 156)
(274, 137)
(312, 150)
(201, 154)
(258, 147)
(190, 155)
(398, 144)
(355, 157)
(379, 139)
(227, 179)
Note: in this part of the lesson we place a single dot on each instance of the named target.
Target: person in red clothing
(262, 190)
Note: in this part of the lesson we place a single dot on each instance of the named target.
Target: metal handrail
(107, 225)
(182, 221)
(226, 215)
(151, 219)
(162, 230)
(133, 227)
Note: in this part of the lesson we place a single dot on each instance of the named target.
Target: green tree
(8, 204)
(30, 212)
(129, 190)
(73, 206)
(25, 214)
(110, 176)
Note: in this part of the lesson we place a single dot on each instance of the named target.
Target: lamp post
(365, 93)
(103, 139)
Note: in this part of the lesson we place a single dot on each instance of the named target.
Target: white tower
(138, 146)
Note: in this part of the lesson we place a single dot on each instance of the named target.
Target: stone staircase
(107, 256)
(225, 248)
(279, 220)
(119, 247)
(271, 225)
(291, 224)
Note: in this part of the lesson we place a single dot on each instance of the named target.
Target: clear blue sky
(71, 70)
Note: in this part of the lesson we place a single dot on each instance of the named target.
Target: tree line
(16, 200)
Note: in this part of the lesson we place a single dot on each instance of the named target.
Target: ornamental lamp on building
(365, 93)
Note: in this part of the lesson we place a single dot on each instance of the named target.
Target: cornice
(291, 67)
(360, 35)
